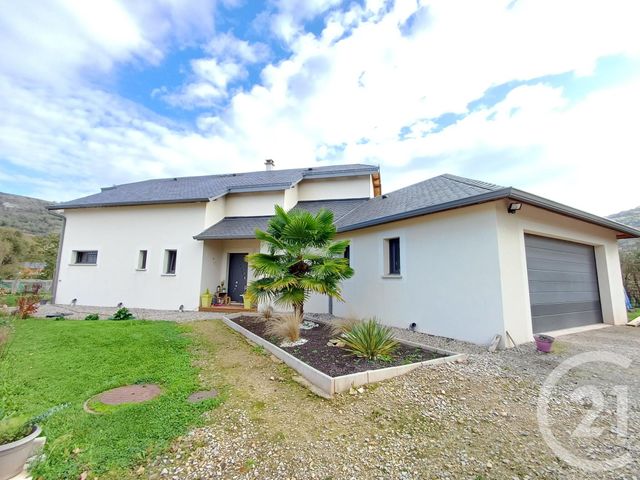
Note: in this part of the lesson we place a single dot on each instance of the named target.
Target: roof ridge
(472, 182)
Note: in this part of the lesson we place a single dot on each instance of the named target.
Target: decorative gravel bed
(335, 361)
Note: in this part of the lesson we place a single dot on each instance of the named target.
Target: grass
(65, 362)
(633, 313)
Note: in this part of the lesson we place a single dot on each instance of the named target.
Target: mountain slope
(631, 218)
(27, 214)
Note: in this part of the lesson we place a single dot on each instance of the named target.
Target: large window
(85, 257)
(393, 256)
(142, 260)
(170, 259)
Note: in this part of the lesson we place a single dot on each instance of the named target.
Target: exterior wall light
(413, 326)
(514, 207)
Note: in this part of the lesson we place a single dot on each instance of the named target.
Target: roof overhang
(66, 206)
(623, 231)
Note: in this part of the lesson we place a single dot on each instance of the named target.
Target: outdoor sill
(141, 269)
(167, 274)
(392, 276)
(83, 264)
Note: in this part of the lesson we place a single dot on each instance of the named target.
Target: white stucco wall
(450, 275)
(118, 234)
(215, 211)
(252, 204)
(335, 188)
(290, 198)
(515, 286)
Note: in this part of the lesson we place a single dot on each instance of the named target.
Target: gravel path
(475, 420)
(78, 312)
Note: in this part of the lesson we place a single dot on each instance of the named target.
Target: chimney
(269, 164)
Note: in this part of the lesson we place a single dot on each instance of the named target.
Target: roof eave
(65, 206)
(463, 202)
(225, 237)
(624, 231)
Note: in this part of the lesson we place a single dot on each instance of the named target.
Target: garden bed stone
(327, 385)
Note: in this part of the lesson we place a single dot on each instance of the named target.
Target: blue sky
(536, 94)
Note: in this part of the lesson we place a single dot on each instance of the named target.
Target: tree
(301, 259)
(13, 246)
(631, 274)
(45, 249)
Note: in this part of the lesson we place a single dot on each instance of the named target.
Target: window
(85, 257)
(170, 258)
(393, 256)
(347, 254)
(142, 260)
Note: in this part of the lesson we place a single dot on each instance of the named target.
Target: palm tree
(301, 259)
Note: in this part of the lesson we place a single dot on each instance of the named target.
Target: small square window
(85, 257)
(393, 256)
(170, 259)
(142, 260)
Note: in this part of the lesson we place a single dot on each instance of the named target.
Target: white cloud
(68, 41)
(212, 76)
(369, 89)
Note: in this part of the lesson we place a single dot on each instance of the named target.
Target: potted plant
(544, 342)
(17, 437)
(247, 301)
(205, 298)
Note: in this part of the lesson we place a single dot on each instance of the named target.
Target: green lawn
(64, 362)
(633, 313)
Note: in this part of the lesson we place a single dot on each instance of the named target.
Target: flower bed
(333, 369)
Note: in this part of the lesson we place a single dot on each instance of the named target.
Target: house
(448, 256)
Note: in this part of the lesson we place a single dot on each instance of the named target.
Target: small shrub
(369, 339)
(14, 428)
(122, 314)
(343, 325)
(267, 313)
(92, 316)
(286, 327)
(28, 305)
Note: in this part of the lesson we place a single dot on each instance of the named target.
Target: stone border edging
(331, 385)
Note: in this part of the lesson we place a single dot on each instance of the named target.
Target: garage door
(563, 284)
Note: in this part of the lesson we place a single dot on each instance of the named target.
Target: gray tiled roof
(194, 189)
(409, 201)
(245, 227)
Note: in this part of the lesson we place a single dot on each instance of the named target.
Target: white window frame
(165, 262)
(74, 257)
(143, 260)
(386, 256)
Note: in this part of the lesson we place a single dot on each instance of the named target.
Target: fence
(21, 285)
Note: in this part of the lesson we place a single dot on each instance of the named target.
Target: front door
(237, 276)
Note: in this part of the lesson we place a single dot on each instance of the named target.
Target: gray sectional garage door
(563, 284)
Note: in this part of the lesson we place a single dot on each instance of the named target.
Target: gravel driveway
(472, 421)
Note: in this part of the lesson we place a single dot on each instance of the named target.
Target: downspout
(56, 273)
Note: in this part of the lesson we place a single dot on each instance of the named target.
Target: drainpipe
(56, 273)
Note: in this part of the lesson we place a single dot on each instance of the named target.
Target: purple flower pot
(544, 343)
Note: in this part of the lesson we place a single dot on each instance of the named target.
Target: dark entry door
(237, 275)
(563, 284)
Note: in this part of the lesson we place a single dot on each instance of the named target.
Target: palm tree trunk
(298, 310)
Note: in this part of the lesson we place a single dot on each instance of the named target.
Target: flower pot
(14, 455)
(205, 300)
(544, 343)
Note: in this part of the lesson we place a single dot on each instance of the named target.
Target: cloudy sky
(542, 95)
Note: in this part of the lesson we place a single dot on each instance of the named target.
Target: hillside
(27, 214)
(631, 218)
